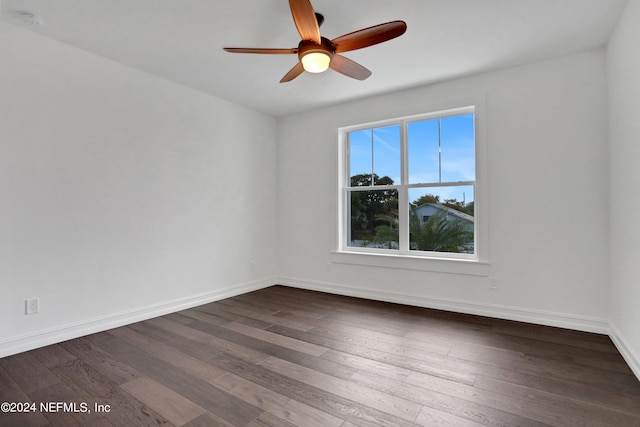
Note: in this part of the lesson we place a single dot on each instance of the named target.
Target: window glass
(441, 219)
(374, 156)
(441, 150)
(373, 219)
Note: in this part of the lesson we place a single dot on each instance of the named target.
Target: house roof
(449, 210)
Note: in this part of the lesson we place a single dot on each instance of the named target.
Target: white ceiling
(182, 41)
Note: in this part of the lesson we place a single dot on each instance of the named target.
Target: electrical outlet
(493, 283)
(32, 306)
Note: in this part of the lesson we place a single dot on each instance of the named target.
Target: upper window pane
(441, 150)
(374, 156)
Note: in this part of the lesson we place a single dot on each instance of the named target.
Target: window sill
(407, 262)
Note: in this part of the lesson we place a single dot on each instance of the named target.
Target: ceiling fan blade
(369, 36)
(348, 67)
(293, 73)
(305, 20)
(260, 50)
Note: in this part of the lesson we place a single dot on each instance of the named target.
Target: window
(408, 186)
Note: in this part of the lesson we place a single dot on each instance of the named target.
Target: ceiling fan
(316, 53)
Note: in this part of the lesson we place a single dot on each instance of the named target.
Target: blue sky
(457, 162)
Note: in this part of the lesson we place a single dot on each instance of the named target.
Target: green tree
(366, 206)
(427, 198)
(469, 208)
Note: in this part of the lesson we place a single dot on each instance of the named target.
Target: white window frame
(474, 264)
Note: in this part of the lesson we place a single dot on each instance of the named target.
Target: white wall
(623, 57)
(122, 195)
(546, 134)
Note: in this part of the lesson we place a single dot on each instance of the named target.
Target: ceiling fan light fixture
(316, 62)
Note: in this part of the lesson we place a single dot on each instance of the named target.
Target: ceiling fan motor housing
(307, 46)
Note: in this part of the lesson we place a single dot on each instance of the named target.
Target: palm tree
(387, 233)
(439, 234)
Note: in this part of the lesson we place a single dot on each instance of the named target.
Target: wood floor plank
(261, 334)
(301, 314)
(294, 305)
(267, 419)
(94, 388)
(367, 365)
(338, 406)
(265, 318)
(536, 348)
(336, 306)
(100, 422)
(552, 335)
(555, 409)
(103, 362)
(247, 305)
(548, 367)
(166, 353)
(155, 327)
(205, 317)
(203, 394)
(11, 392)
(427, 363)
(349, 390)
(60, 392)
(315, 398)
(219, 312)
(459, 400)
(208, 420)
(52, 355)
(171, 405)
(384, 341)
(281, 406)
(273, 349)
(430, 417)
(365, 321)
(589, 393)
(28, 372)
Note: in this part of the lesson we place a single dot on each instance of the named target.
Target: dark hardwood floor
(289, 357)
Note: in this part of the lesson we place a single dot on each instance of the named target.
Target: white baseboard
(629, 355)
(27, 342)
(580, 323)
